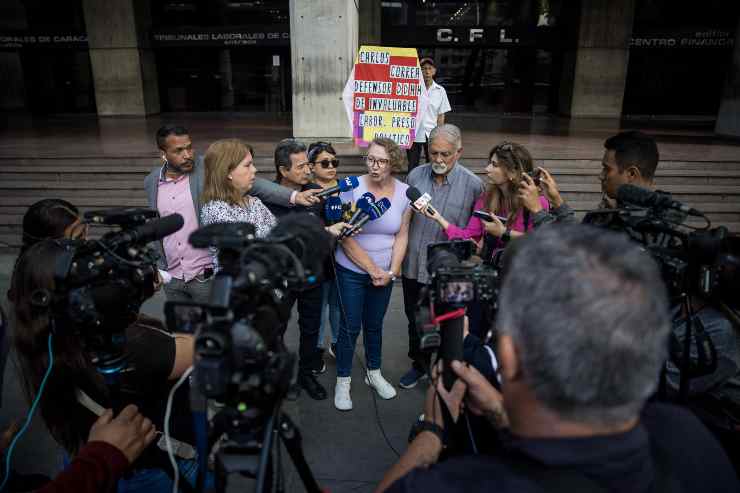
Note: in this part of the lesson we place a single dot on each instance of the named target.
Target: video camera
(101, 284)
(240, 358)
(456, 283)
(239, 355)
(693, 261)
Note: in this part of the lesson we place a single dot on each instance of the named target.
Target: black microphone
(642, 197)
(153, 230)
(418, 201)
(344, 185)
(367, 212)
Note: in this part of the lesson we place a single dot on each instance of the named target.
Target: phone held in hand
(487, 216)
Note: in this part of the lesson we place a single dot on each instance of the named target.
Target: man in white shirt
(434, 115)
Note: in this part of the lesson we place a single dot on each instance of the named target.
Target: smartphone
(487, 216)
(535, 175)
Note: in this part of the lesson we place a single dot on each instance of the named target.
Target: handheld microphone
(641, 197)
(333, 210)
(344, 185)
(419, 201)
(369, 212)
(153, 230)
(362, 204)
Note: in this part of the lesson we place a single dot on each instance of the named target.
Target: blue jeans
(157, 480)
(330, 312)
(364, 306)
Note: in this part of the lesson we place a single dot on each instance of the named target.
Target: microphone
(418, 201)
(154, 230)
(344, 185)
(370, 212)
(641, 197)
(362, 204)
(333, 210)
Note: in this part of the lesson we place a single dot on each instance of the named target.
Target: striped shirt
(454, 199)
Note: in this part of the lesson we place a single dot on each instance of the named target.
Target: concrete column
(123, 66)
(12, 95)
(728, 118)
(323, 45)
(595, 73)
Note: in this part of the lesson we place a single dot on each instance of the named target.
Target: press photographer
(83, 347)
(582, 338)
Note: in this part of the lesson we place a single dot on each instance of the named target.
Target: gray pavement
(346, 451)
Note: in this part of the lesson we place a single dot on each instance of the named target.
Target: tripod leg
(291, 437)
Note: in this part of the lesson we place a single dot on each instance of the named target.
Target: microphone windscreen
(631, 194)
(348, 183)
(379, 208)
(159, 228)
(333, 209)
(413, 194)
(369, 196)
(363, 205)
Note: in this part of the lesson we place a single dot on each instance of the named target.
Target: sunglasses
(325, 163)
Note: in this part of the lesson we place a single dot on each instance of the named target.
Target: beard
(439, 168)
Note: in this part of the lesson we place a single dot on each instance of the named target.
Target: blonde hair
(221, 158)
(516, 160)
(396, 156)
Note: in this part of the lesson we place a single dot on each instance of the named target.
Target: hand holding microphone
(422, 204)
(367, 211)
(344, 185)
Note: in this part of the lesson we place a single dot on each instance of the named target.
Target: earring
(229, 177)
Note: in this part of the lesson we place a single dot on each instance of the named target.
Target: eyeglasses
(325, 163)
(374, 162)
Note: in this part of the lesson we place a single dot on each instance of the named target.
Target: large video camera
(693, 261)
(101, 284)
(696, 265)
(240, 358)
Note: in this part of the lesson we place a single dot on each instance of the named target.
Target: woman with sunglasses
(509, 165)
(366, 266)
(324, 162)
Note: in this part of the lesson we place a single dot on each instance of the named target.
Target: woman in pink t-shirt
(508, 164)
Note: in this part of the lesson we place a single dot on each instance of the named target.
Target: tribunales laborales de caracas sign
(231, 36)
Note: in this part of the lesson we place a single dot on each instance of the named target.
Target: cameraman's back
(583, 339)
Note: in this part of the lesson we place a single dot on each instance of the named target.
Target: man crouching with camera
(582, 338)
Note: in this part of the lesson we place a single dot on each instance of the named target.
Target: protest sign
(385, 95)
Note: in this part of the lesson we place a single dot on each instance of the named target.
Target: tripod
(250, 452)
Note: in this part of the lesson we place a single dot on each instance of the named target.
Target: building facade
(671, 59)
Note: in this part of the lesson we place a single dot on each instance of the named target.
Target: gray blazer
(265, 190)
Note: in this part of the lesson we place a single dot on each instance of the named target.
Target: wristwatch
(393, 276)
(506, 236)
(424, 425)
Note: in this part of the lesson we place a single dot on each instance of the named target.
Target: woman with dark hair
(51, 219)
(509, 164)
(367, 265)
(324, 162)
(44, 334)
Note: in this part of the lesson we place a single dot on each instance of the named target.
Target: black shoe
(312, 387)
(320, 367)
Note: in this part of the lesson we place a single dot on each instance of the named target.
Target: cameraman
(576, 372)
(630, 158)
(154, 358)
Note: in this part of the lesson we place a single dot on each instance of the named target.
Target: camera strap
(181, 449)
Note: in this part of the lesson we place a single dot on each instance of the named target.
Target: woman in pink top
(508, 165)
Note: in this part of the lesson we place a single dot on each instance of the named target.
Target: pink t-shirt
(475, 230)
(183, 261)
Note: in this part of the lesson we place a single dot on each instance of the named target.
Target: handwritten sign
(385, 95)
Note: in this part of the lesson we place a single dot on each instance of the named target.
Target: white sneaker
(380, 384)
(342, 400)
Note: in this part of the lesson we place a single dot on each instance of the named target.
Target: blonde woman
(229, 175)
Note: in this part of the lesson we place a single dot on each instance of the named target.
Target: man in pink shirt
(176, 186)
